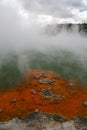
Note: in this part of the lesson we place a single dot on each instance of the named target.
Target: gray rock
(56, 98)
(36, 110)
(14, 100)
(46, 81)
(80, 122)
(43, 75)
(85, 103)
(43, 121)
(14, 124)
(70, 84)
(33, 91)
(46, 91)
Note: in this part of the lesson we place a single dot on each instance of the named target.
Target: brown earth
(64, 98)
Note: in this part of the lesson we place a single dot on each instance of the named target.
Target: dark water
(64, 53)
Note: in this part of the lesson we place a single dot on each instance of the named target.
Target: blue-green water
(65, 63)
(65, 53)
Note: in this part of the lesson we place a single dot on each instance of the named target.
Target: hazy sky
(68, 10)
(19, 17)
(44, 11)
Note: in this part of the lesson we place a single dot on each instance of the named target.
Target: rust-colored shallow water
(27, 97)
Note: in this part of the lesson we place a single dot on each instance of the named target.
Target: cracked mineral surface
(42, 121)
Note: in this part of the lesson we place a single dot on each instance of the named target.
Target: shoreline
(42, 121)
(44, 91)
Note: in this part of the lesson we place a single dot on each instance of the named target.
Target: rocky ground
(42, 121)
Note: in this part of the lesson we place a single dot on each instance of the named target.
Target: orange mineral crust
(43, 91)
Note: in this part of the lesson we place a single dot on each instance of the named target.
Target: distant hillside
(54, 29)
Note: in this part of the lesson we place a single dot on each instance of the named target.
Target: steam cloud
(21, 30)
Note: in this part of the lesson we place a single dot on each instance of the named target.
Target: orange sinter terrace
(43, 91)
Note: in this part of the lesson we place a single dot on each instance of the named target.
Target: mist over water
(38, 47)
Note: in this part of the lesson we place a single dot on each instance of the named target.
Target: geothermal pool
(43, 50)
(63, 52)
